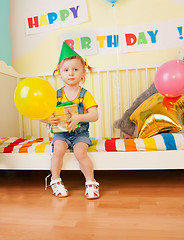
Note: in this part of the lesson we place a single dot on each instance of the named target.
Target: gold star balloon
(158, 114)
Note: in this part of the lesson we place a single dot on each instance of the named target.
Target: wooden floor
(134, 205)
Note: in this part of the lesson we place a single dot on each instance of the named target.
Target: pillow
(127, 127)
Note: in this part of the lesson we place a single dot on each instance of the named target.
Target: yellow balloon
(35, 98)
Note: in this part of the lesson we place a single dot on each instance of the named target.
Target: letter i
(77, 43)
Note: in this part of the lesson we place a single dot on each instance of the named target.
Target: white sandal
(92, 190)
(57, 186)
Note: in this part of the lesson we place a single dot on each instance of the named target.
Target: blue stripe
(169, 141)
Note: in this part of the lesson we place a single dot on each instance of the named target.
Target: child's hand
(53, 120)
(73, 121)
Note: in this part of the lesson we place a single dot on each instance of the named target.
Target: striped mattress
(160, 142)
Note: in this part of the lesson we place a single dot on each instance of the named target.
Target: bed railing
(114, 89)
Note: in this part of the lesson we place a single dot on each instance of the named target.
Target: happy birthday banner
(70, 12)
(145, 37)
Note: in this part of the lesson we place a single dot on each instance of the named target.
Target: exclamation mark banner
(180, 30)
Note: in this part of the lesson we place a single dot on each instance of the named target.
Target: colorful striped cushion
(160, 142)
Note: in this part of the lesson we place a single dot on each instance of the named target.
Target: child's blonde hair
(84, 63)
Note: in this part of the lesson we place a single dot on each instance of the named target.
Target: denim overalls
(79, 135)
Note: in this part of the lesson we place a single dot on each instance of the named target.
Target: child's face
(72, 71)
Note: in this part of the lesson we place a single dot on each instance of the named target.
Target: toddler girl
(71, 68)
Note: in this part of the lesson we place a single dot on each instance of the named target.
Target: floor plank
(133, 205)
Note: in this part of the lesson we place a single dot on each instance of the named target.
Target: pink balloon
(169, 78)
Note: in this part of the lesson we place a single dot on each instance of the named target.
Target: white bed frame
(11, 126)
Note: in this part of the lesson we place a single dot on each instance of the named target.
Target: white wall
(9, 116)
(40, 52)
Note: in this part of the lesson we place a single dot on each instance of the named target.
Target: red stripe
(9, 148)
(110, 145)
(39, 140)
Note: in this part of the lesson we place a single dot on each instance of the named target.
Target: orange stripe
(130, 145)
(24, 148)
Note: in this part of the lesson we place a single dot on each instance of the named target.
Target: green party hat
(67, 52)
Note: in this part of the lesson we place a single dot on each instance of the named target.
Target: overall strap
(59, 96)
(82, 93)
(84, 126)
(60, 93)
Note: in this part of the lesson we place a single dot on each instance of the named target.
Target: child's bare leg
(60, 148)
(86, 166)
